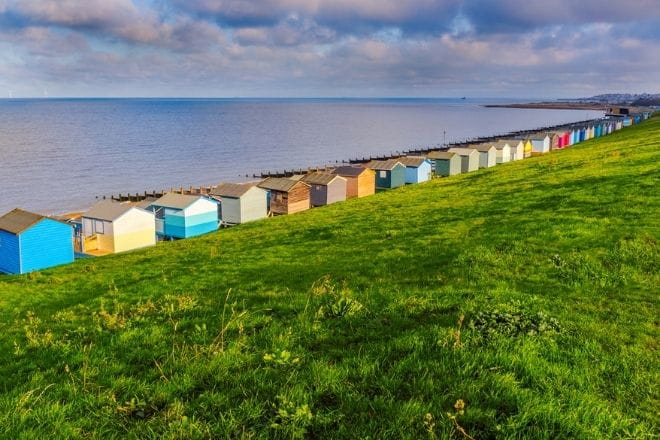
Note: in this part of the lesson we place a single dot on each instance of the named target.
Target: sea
(59, 155)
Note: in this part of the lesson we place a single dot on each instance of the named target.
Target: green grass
(528, 291)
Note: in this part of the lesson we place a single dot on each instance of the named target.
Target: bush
(512, 321)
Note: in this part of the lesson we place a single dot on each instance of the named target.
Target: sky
(328, 48)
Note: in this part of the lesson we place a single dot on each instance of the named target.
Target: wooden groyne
(200, 190)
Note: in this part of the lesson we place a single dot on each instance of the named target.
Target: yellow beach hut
(111, 227)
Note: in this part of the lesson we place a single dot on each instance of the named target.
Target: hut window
(383, 174)
(99, 227)
(318, 187)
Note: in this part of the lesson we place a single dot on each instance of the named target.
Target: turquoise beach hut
(30, 242)
(390, 173)
(418, 169)
(184, 216)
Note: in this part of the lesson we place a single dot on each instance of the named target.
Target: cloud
(328, 47)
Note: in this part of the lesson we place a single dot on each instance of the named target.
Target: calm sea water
(56, 155)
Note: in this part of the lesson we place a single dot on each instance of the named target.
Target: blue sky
(201, 48)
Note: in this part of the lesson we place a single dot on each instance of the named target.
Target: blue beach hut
(418, 169)
(30, 242)
(583, 135)
(184, 216)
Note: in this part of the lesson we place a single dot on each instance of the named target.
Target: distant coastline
(554, 106)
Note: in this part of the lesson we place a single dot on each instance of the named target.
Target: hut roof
(278, 184)
(440, 155)
(462, 151)
(484, 148)
(234, 190)
(386, 165)
(501, 144)
(348, 171)
(17, 221)
(412, 161)
(319, 178)
(176, 201)
(108, 210)
(511, 141)
(144, 204)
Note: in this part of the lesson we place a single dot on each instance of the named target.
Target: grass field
(518, 302)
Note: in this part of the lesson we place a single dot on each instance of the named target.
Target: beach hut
(111, 227)
(240, 202)
(469, 158)
(517, 148)
(360, 182)
(390, 173)
(583, 134)
(487, 155)
(30, 242)
(627, 122)
(540, 143)
(503, 152)
(418, 169)
(184, 216)
(286, 196)
(326, 188)
(528, 148)
(445, 163)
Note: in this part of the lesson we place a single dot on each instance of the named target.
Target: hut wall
(503, 154)
(253, 205)
(298, 199)
(200, 217)
(46, 244)
(230, 209)
(398, 176)
(336, 191)
(318, 195)
(134, 230)
(10, 258)
(366, 184)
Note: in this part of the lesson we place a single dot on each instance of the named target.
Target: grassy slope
(151, 344)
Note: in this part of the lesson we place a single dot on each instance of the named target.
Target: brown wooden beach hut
(325, 188)
(286, 196)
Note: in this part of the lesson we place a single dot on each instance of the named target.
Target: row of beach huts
(30, 241)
